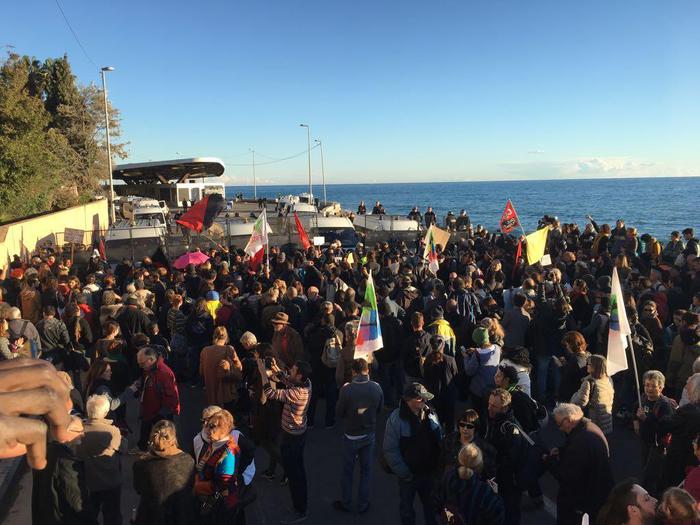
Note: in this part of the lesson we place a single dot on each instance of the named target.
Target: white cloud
(592, 167)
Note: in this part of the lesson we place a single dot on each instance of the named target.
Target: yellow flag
(536, 243)
(351, 259)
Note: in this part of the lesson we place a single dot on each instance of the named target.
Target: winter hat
(481, 336)
(212, 295)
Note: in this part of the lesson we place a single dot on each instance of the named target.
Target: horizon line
(548, 179)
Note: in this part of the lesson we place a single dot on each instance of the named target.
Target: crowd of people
(478, 359)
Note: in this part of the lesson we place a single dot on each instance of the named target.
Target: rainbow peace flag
(369, 335)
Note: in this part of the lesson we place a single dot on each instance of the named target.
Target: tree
(52, 140)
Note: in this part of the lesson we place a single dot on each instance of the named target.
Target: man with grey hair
(581, 466)
(101, 449)
(159, 395)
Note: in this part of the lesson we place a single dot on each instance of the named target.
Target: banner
(619, 328)
(509, 219)
(369, 335)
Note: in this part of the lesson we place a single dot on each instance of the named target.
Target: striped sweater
(296, 403)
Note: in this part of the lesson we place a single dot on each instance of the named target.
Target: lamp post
(323, 171)
(255, 185)
(112, 215)
(308, 145)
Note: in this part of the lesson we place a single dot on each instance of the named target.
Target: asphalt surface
(323, 474)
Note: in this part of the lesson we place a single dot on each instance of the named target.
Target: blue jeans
(293, 460)
(361, 449)
(423, 487)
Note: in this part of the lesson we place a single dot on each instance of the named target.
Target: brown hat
(280, 318)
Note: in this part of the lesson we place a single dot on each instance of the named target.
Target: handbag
(210, 504)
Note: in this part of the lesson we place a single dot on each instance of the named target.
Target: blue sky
(397, 91)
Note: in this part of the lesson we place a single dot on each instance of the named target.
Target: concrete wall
(22, 237)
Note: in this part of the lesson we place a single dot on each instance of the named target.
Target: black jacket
(683, 425)
(583, 472)
(415, 346)
(59, 492)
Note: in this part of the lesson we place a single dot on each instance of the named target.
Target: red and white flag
(258, 239)
(509, 219)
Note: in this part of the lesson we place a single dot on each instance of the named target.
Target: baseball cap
(416, 391)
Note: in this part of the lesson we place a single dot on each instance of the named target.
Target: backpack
(21, 345)
(665, 440)
(331, 351)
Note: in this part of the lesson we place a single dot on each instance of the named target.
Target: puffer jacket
(595, 396)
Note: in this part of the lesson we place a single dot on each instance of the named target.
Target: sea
(653, 205)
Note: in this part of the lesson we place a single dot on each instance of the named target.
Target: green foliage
(52, 150)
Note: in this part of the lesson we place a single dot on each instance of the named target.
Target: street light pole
(323, 171)
(112, 214)
(308, 145)
(255, 185)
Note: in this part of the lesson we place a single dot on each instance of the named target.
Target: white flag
(619, 329)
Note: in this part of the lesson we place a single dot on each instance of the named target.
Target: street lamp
(255, 186)
(308, 145)
(323, 171)
(112, 214)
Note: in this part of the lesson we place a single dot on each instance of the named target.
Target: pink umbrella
(195, 258)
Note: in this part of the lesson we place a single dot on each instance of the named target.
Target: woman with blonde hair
(463, 497)
(221, 369)
(596, 394)
(164, 478)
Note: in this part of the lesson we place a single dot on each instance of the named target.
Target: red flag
(101, 249)
(509, 219)
(302, 234)
(518, 254)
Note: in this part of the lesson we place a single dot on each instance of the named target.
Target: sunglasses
(469, 426)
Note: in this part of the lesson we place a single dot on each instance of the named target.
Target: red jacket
(159, 395)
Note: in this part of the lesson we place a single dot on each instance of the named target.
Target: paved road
(323, 468)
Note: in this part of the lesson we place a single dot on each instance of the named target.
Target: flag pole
(267, 241)
(634, 366)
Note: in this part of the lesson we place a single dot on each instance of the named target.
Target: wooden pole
(634, 368)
